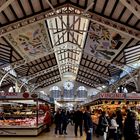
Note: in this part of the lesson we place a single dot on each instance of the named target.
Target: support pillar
(16, 86)
(138, 82)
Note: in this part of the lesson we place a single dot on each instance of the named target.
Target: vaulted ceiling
(93, 40)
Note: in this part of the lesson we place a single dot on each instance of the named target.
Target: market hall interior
(61, 55)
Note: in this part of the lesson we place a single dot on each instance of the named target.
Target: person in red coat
(47, 119)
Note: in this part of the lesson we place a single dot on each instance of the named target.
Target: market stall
(111, 102)
(22, 113)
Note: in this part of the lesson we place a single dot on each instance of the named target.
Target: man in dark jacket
(78, 121)
(88, 124)
(58, 121)
(131, 127)
(64, 122)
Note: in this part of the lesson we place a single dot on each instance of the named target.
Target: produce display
(111, 102)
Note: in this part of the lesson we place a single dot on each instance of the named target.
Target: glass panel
(18, 113)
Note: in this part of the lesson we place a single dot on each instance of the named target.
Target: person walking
(72, 117)
(78, 121)
(58, 122)
(64, 122)
(88, 124)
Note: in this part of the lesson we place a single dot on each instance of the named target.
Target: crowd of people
(79, 118)
(115, 127)
(109, 127)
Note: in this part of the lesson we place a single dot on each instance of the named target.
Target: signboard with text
(25, 95)
(117, 96)
(112, 96)
(10, 95)
(17, 95)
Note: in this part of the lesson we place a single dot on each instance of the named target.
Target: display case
(22, 113)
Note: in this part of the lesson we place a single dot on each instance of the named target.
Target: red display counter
(20, 113)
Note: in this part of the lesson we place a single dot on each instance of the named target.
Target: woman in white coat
(113, 129)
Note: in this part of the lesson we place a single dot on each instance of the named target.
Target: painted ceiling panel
(104, 43)
(31, 42)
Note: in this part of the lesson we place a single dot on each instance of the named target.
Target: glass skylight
(11, 71)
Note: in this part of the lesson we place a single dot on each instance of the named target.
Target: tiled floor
(50, 136)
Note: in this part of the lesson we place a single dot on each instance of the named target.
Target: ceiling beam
(14, 79)
(88, 83)
(25, 62)
(34, 86)
(94, 72)
(132, 6)
(5, 5)
(29, 77)
(9, 75)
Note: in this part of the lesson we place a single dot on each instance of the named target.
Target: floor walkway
(50, 136)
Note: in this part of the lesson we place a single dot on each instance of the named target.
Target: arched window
(55, 92)
(11, 89)
(68, 89)
(82, 92)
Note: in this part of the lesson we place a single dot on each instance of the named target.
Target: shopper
(72, 117)
(64, 121)
(47, 120)
(58, 122)
(119, 121)
(78, 121)
(102, 128)
(88, 124)
(47, 116)
(131, 127)
(113, 130)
